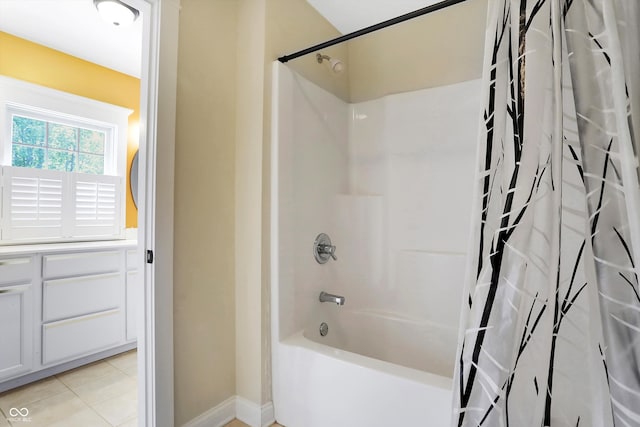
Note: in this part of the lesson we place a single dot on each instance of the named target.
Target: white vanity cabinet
(16, 315)
(61, 305)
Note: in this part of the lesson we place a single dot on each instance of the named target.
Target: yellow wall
(204, 261)
(221, 312)
(437, 49)
(248, 188)
(293, 25)
(34, 63)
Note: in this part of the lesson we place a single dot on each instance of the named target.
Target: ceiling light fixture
(116, 12)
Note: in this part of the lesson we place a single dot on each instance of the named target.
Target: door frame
(155, 212)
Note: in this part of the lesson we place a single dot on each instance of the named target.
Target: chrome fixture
(335, 64)
(323, 249)
(324, 329)
(327, 297)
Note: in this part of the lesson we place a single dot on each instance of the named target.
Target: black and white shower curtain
(550, 334)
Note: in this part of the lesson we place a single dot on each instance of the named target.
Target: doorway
(154, 378)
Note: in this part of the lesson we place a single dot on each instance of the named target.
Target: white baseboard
(235, 407)
(268, 414)
(217, 416)
(253, 414)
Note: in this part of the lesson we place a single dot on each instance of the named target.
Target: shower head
(335, 64)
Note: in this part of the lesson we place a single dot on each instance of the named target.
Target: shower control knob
(329, 250)
(323, 249)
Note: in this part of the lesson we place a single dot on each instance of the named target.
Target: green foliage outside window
(45, 145)
(63, 137)
(28, 131)
(28, 157)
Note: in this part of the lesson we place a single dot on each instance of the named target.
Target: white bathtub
(321, 385)
(365, 175)
(391, 337)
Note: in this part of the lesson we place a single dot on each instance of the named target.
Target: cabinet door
(16, 330)
(133, 300)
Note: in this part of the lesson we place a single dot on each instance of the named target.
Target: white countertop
(66, 247)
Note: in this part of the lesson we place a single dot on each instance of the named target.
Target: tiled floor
(238, 423)
(102, 394)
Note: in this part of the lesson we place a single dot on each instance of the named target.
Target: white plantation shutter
(44, 205)
(39, 205)
(97, 205)
(32, 207)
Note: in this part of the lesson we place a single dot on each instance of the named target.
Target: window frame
(41, 103)
(19, 96)
(109, 154)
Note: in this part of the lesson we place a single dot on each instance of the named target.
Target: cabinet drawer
(132, 259)
(72, 338)
(64, 298)
(80, 264)
(16, 269)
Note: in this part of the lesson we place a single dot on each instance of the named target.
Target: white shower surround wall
(390, 181)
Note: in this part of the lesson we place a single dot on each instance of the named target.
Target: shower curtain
(550, 334)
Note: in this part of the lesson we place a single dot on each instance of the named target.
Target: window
(62, 165)
(44, 144)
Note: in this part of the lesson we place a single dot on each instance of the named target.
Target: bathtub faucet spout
(326, 297)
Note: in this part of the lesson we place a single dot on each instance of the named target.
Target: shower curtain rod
(370, 29)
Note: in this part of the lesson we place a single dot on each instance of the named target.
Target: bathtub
(340, 169)
(372, 369)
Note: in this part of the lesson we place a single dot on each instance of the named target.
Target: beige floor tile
(238, 423)
(64, 401)
(23, 396)
(106, 387)
(126, 362)
(51, 410)
(83, 418)
(133, 422)
(132, 371)
(118, 409)
(86, 373)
